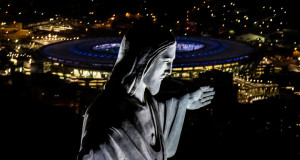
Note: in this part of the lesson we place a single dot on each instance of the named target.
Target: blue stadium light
(190, 51)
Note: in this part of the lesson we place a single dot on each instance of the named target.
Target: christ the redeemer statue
(126, 122)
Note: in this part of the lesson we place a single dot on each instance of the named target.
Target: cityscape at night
(57, 56)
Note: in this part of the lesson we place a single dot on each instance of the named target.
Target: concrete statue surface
(126, 122)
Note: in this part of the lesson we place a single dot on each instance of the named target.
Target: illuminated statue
(126, 122)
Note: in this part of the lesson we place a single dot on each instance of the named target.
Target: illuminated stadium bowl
(102, 52)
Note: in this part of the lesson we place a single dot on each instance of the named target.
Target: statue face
(160, 67)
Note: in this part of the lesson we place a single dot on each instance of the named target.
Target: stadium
(93, 59)
(193, 51)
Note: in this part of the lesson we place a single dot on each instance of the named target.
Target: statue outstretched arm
(172, 113)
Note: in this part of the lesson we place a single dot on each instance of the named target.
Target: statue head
(159, 68)
(145, 57)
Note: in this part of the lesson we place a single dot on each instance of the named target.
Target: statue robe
(148, 131)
